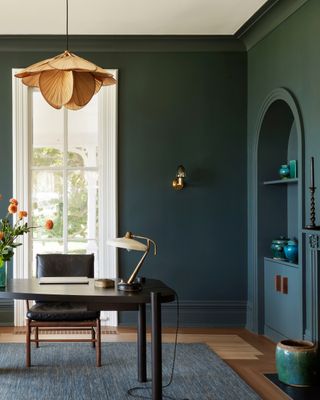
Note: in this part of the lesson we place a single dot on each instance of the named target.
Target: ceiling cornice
(121, 43)
(266, 19)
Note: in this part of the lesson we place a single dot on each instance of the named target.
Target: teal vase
(291, 251)
(4, 275)
(284, 171)
(296, 362)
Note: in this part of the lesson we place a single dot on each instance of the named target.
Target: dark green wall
(288, 57)
(175, 107)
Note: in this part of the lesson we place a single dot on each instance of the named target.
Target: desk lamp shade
(128, 242)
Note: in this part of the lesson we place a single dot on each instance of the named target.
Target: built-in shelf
(282, 181)
(290, 264)
(311, 231)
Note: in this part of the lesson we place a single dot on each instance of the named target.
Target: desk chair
(63, 316)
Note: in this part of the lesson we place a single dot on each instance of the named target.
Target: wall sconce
(178, 182)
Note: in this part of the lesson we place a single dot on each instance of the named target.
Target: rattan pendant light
(66, 79)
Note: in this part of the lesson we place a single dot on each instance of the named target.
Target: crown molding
(266, 19)
(123, 43)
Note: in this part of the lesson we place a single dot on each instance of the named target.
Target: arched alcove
(277, 212)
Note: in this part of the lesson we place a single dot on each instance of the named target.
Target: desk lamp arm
(139, 265)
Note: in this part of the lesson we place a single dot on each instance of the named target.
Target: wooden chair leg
(36, 336)
(98, 343)
(28, 349)
(93, 336)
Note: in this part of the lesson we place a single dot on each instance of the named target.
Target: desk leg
(156, 354)
(142, 344)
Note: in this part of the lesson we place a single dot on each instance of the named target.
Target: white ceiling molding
(126, 17)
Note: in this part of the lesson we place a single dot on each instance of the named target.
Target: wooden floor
(249, 355)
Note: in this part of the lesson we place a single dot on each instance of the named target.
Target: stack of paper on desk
(63, 279)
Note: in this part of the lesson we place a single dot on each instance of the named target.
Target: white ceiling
(125, 17)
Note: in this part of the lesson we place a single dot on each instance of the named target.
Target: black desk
(153, 291)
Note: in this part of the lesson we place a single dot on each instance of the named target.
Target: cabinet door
(283, 307)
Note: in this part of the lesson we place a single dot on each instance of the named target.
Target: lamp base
(129, 287)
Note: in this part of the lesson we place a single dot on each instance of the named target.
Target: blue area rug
(67, 372)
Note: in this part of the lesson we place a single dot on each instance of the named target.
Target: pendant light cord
(67, 24)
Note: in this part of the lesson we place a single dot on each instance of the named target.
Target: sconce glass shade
(181, 172)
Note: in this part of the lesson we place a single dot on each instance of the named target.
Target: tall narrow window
(65, 177)
(64, 169)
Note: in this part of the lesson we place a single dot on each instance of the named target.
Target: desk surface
(30, 289)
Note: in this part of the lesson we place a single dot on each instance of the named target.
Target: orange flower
(48, 224)
(13, 201)
(12, 208)
(1, 197)
(1, 235)
(22, 214)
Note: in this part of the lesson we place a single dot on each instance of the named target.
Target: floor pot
(296, 362)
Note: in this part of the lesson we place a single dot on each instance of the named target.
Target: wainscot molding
(121, 43)
(266, 19)
(198, 314)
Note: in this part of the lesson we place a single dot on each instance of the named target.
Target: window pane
(47, 137)
(83, 136)
(82, 247)
(82, 205)
(47, 203)
(44, 247)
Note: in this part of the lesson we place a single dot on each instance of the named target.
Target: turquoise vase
(4, 275)
(296, 362)
(284, 171)
(291, 251)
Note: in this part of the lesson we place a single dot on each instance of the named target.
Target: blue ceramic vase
(284, 171)
(296, 362)
(291, 251)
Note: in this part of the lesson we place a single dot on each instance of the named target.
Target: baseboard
(307, 335)
(273, 335)
(216, 313)
(197, 314)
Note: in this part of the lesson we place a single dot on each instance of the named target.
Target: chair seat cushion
(61, 312)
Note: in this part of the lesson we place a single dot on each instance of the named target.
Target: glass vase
(4, 275)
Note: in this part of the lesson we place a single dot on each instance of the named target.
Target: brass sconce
(178, 182)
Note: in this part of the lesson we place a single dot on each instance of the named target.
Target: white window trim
(108, 221)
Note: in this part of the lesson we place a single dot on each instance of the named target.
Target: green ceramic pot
(277, 248)
(296, 362)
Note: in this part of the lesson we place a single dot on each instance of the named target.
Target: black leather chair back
(65, 265)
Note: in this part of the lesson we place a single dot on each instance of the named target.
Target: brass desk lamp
(128, 242)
